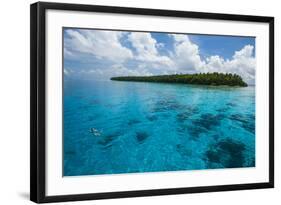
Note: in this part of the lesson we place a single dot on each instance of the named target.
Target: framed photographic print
(129, 102)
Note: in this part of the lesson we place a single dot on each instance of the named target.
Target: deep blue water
(115, 127)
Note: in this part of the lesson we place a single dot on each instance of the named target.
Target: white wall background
(14, 100)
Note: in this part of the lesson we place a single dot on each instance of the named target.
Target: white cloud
(187, 58)
(242, 63)
(122, 70)
(67, 53)
(146, 50)
(186, 54)
(113, 70)
(101, 44)
(246, 52)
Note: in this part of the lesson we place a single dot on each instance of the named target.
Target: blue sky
(101, 54)
(225, 46)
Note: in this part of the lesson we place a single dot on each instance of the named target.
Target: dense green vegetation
(198, 79)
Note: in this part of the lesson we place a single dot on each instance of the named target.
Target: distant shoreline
(214, 79)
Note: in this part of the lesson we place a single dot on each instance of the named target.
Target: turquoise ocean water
(113, 127)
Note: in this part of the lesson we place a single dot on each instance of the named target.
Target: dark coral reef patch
(141, 136)
(227, 153)
(246, 121)
(208, 121)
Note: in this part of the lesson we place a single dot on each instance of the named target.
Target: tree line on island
(214, 79)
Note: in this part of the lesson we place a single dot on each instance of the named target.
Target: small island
(214, 79)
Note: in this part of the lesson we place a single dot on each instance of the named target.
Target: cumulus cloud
(188, 60)
(146, 50)
(108, 72)
(186, 54)
(101, 44)
(243, 63)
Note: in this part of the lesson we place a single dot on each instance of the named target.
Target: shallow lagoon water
(113, 127)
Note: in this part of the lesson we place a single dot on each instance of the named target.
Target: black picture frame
(38, 104)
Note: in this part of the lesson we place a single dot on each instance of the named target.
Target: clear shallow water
(113, 127)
